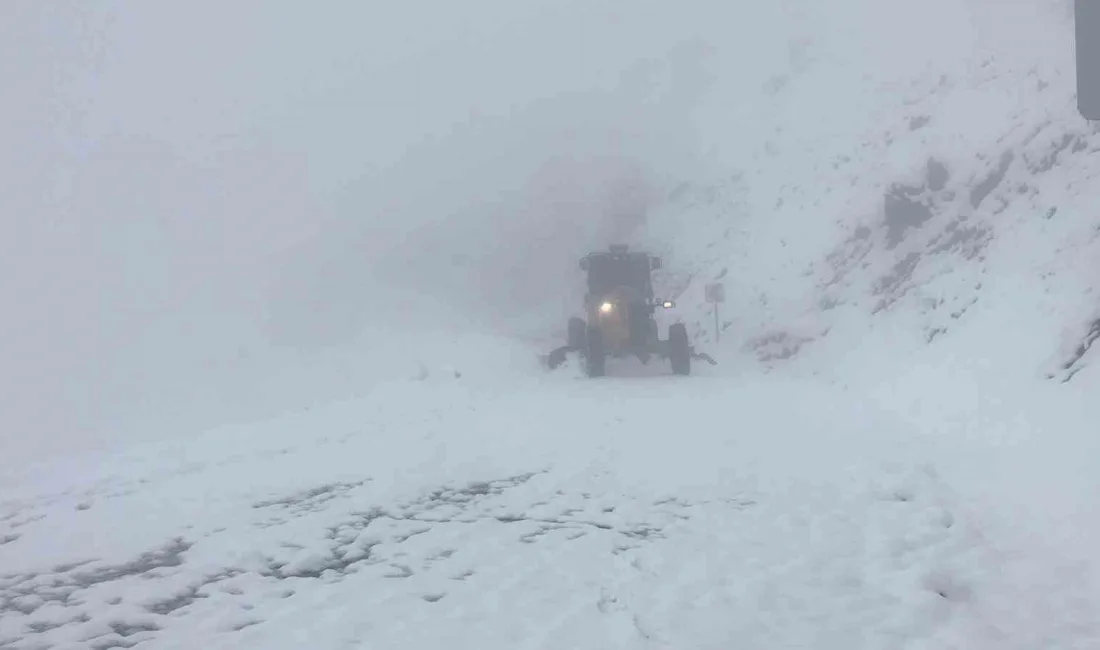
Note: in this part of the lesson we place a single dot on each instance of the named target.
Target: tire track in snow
(606, 530)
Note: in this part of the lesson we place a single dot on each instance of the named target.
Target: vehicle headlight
(606, 307)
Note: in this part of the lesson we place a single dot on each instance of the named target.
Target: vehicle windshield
(606, 273)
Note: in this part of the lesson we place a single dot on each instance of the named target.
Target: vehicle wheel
(679, 350)
(576, 333)
(594, 359)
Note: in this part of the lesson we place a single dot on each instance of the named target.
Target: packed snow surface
(641, 511)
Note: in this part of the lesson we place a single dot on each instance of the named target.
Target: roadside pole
(716, 294)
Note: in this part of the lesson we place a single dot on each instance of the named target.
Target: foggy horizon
(205, 196)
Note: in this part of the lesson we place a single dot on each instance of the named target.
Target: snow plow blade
(557, 356)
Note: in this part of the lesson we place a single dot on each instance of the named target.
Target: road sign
(715, 292)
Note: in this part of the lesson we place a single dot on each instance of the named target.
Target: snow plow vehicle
(619, 321)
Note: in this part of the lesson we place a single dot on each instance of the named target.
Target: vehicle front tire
(679, 349)
(576, 336)
(595, 361)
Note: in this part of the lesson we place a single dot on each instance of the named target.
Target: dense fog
(206, 203)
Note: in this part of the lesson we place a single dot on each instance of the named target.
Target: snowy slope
(913, 222)
(912, 188)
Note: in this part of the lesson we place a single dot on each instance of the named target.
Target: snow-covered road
(551, 512)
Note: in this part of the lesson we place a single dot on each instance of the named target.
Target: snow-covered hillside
(920, 220)
(910, 180)
(896, 450)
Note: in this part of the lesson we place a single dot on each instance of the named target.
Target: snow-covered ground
(643, 511)
(897, 449)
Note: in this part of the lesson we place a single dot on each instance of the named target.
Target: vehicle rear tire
(595, 362)
(679, 349)
(576, 336)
